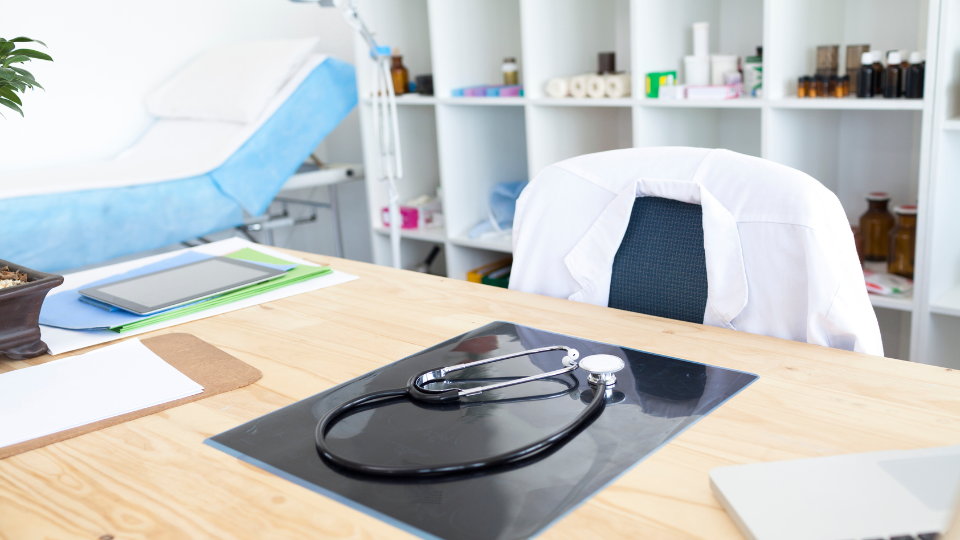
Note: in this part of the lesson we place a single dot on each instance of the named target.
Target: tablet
(165, 289)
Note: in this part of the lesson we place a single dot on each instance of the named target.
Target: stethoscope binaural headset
(601, 368)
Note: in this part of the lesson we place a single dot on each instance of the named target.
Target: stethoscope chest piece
(602, 367)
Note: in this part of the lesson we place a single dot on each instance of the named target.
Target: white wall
(108, 54)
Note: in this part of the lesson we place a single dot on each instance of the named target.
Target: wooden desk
(154, 479)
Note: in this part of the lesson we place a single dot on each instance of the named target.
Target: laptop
(893, 495)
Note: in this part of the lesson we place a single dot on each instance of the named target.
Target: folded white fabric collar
(590, 262)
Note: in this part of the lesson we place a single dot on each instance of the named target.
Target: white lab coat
(780, 255)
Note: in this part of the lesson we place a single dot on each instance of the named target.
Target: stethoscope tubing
(506, 458)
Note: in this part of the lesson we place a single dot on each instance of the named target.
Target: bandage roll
(617, 85)
(578, 86)
(558, 87)
(596, 86)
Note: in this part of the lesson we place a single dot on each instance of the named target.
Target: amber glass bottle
(903, 241)
(399, 74)
(875, 227)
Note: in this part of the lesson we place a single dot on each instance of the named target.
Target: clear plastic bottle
(903, 241)
(511, 73)
(875, 226)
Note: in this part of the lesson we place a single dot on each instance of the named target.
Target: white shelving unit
(853, 146)
(938, 313)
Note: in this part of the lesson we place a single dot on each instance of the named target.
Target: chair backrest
(660, 268)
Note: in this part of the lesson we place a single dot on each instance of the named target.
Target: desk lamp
(385, 122)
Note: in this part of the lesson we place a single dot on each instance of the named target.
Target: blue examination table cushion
(57, 231)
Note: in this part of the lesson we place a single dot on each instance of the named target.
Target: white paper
(63, 394)
(60, 340)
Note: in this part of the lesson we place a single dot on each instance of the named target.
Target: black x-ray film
(655, 399)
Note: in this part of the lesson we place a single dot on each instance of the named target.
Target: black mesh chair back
(660, 268)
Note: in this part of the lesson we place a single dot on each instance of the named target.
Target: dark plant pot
(20, 313)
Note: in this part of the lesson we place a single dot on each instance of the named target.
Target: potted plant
(22, 289)
(13, 78)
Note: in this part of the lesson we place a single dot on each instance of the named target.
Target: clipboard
(207, 365)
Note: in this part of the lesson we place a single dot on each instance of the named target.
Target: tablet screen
(168, 288)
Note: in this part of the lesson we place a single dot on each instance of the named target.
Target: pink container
(409, 214)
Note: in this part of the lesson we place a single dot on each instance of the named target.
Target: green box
(656, 80)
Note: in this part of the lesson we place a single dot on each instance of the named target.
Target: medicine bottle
(875, 227)
(845, 85)
(399, 73)
(510, 72)
(834, 89)
(865, 76)
(904, 67)
(823, 86)
(803, 87)
(914, 77)
(903, 241)
(891, 76)
(877, 73)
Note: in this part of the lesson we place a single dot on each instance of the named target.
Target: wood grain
(153, 478)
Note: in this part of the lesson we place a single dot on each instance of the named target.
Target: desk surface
(153, 478)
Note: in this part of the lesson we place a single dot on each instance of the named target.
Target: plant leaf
(34, 54)
(11, 105)
(6, 47)
(7, 73)
(23, 39)
(25, 74)
(15, 59)
(11, 95)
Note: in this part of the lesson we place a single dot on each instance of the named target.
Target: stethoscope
(602, 378)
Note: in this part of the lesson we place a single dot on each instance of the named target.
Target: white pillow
(230, 83)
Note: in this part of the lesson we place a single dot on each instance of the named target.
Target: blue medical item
(68, 309)
(503, 205)
(66, 230)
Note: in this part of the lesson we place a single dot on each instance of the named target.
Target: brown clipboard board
(205, 364)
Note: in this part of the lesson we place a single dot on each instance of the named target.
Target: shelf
(582, 102)
(437, 235)
(504, 245)
(489, 101)
(853, 104)
(739, 103)
(952, 124)
(898, 302)
(947, 304)
(408, 99)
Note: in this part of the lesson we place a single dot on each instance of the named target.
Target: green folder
(298, 274)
